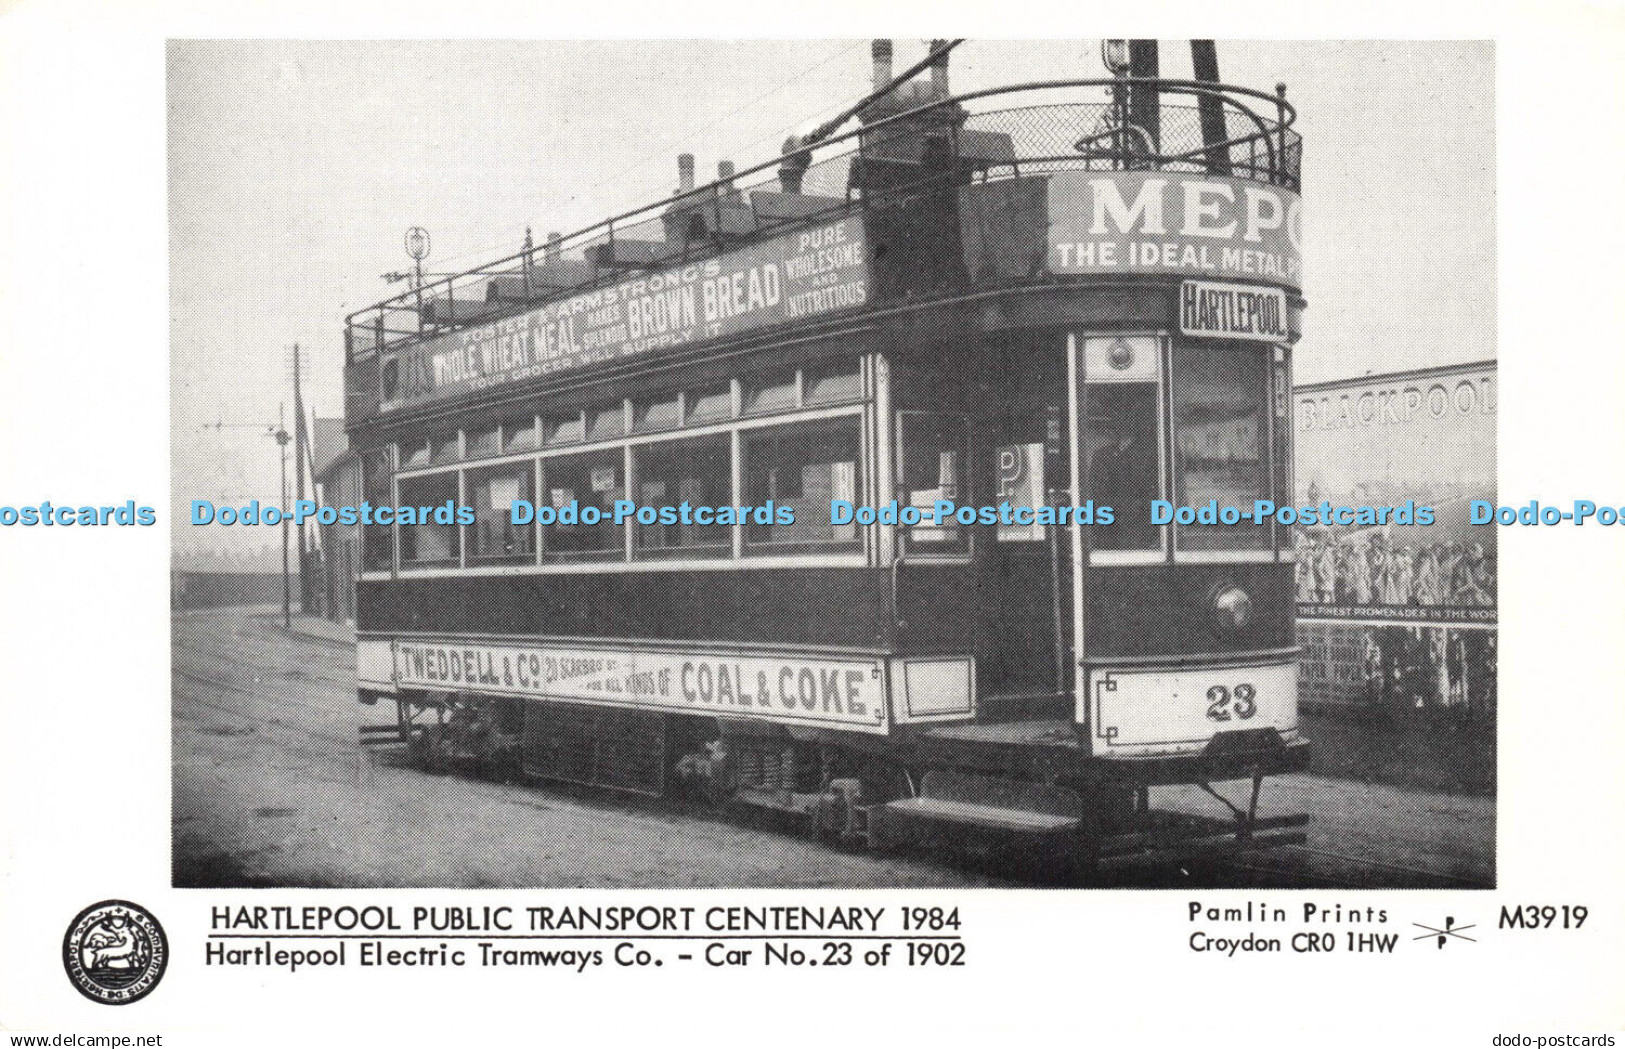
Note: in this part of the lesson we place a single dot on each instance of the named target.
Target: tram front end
(1186, 667)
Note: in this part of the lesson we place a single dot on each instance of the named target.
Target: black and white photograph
(763, 445)
(827, 525)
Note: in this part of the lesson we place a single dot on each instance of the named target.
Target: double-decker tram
(1056, 297)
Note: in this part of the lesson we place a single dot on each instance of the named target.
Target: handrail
(1230, 95)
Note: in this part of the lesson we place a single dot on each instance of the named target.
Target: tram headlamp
(1232, 608)
(1115, 54)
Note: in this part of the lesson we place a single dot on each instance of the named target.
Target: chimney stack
(725, 176)
(939, 71)
(685, 172)
(880, 51)
(552, 252)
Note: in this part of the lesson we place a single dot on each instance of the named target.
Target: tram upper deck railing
(1195, 126)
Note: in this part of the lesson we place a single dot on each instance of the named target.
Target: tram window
(446, 448)
(492, 493)
(698, 472)
(657, 413)
(834, 382)
(378, 541)
(519, 435)
(803, 466)
(1123, 468)
(935, 447)
(484, 442)
(563, 429)
(607, 420)
(710, 403)
(430, 542)
(590, 480)
(1220, 395)
(415, 455)
(771, 392)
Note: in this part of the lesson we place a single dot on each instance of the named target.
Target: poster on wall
(1399, 614)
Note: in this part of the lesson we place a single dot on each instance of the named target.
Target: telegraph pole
(282, 439)
(300, 441)
(279, 431)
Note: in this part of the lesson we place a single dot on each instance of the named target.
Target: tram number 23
(1225, 704)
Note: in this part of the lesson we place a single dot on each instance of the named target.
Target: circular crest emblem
(115, 952)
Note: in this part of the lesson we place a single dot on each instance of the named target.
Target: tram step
(385, 735)
(984, 801)
(986, 816)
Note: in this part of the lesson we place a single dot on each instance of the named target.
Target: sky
(295, 168)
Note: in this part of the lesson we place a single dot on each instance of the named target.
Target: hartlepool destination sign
(1233, 311)
(805, 274)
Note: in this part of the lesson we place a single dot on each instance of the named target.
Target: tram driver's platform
(1054, 732)
(1234, 755)
(1014, 808)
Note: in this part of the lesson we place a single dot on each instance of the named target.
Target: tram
(1072, 293)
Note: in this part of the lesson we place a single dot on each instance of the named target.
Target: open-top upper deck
(932, 196)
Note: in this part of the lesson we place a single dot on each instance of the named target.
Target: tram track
(1449, 880)
(234, 656)
(1423, 878)
(265, 719)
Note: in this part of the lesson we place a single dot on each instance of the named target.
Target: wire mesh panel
(1099, 136)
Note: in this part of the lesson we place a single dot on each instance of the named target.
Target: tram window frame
(763, 384)
(1100, 367)
(1282, 437)
(418, 533)
(483, 442)
(554, 431)
(646, 406)
(692, 414)
(524, 551)
(446, 448)
(959, 541)
(377, 489)
(415, 455)
(736, 427)
(1263, 549)
(752, 441)
(605, 412)
(616, 550)
(838, 369)
(642, 453)
(521, 434)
